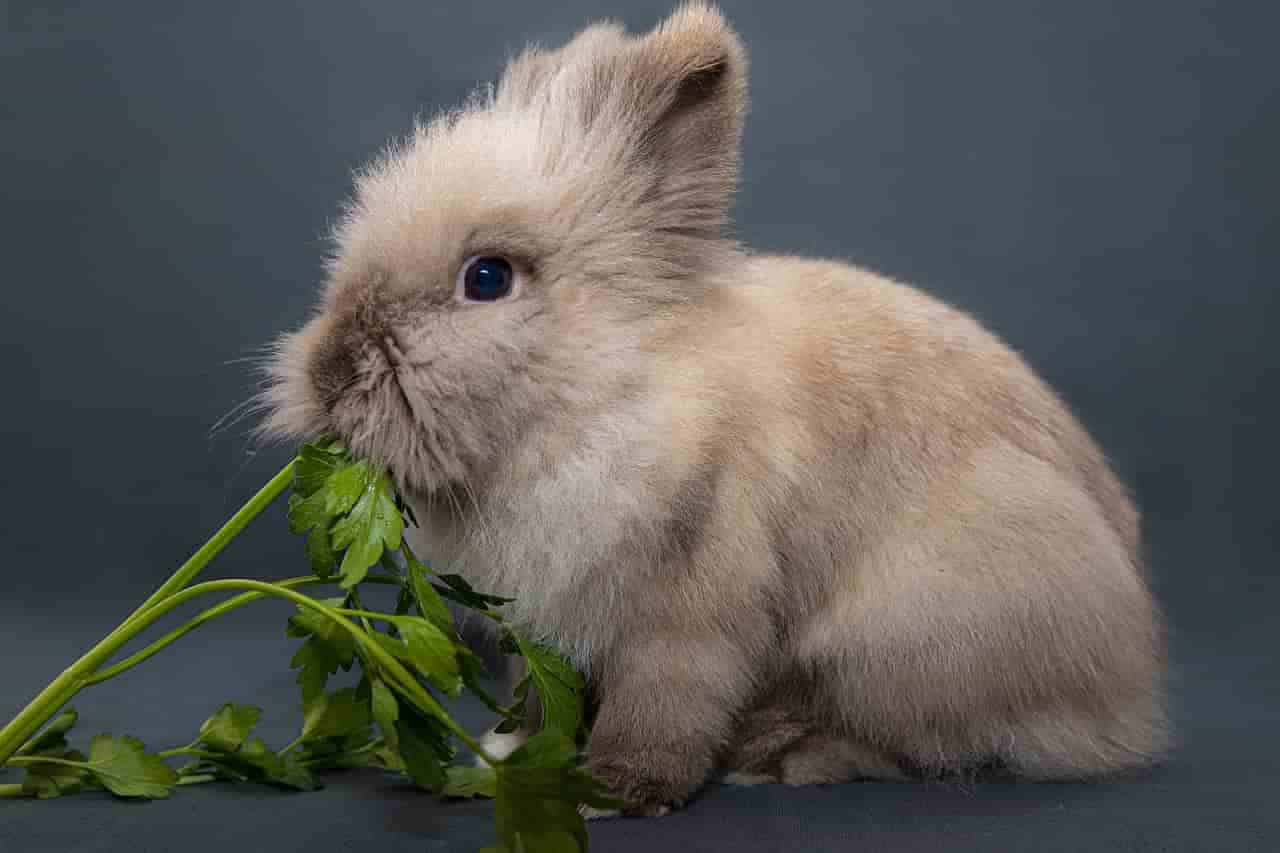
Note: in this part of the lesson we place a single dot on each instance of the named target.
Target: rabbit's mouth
(406, 391)
(385, 418)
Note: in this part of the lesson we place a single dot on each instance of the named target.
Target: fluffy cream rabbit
(794, 521)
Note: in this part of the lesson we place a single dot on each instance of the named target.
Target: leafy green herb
(424, 748)
(457, 589)
(432, 652)
(372, 523)
(471, 782)
(538, 791)
(386, 710)
(47, 780)
(126, 769)
(473, 674)
(328, 648)
(428, 599)
(335, 715)
(558, 684)
(229, 727)
(353, 521)
(252, 761)
(54, 737)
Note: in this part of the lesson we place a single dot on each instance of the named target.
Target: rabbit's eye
(487, 279)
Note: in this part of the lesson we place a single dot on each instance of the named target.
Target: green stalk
(409, 686)
(28, 760)
(213, 613)
(188, 750)
(182, 630)
(372, 746)
(192, 567)
(293, 744)
(366, 614)
(73, 678)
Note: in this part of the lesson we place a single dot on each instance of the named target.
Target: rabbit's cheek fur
(793, 521)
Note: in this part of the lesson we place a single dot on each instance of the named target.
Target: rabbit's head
(515, 260)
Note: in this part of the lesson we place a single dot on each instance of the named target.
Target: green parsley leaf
(320, 552)
(424, 748)
(430, 603)
(229, 726)
(126, 769)
(331, 487)
(251, 762)
(285, 771)
(329, 647)
(54, 735)
(432, 652)
(315, 464)
(46, 781)
(471, 668)
(457, 589)
(386, 709)
(311, 514)
(471, 782)
(559, 686)
(539, 787)
(306, 513)
(373, 522)
(345, 487)
(335, 715)
(396, 648)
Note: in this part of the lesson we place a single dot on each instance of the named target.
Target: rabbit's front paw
(649, 784)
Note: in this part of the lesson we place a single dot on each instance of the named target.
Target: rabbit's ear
(688, 81)
(655, 118)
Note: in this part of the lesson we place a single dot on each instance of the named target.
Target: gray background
(1095, 180)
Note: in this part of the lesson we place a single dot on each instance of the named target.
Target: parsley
(353, 523)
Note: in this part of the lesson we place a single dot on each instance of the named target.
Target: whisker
(249, 455)
(238, 412)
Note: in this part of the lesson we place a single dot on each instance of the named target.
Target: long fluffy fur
(793, 519)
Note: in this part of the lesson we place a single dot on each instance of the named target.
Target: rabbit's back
(961, 568)
(880, 374)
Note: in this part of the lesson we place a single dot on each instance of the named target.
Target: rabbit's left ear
(657, 118)
(687, 83)
(660, 115)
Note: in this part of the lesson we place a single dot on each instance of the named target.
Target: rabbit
(794, 521)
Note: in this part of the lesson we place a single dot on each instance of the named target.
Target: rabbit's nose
(333, 369)
(334, 362)
(360, 345)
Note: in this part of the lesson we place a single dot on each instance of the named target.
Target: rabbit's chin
(390, 436)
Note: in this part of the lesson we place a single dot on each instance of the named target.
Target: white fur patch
(589, 813)
(747, 779)
(500, 745)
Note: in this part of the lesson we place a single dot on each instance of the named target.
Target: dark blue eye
(487, 279)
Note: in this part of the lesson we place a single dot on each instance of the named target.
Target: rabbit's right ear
(686, 98)
(663, 110)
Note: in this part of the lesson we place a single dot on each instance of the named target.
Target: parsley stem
(45, 705)
(193, 566)
(293, 744)
(28, 760)
(13, 789)
(213, 613)
(181, 631)
(354, 595)
(188, 750)
(371, 746)
(73, 678)
(408, 686)
(366, 614)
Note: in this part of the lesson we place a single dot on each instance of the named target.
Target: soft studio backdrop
(1095, 180)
